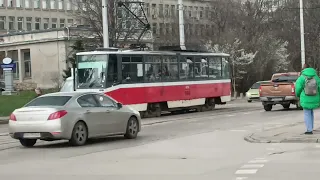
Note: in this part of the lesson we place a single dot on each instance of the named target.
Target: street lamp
(105, 23)
(181, 26)
(303, 56)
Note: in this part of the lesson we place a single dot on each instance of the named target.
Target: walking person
(307, 88)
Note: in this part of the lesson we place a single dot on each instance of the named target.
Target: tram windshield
(97, 71)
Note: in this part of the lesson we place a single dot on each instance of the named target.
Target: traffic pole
(303, 56)
(105, 25)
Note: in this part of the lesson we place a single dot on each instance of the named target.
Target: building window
(78, 22)
(45, 4)
(20, 23)
(2, 22)
(27, 3)
(201, 12)
(61, 5)
(27, 64)
(147, 9)
(53, 4)
(37, 23)
(19, 3)
(29, 23)
(11, 22)
(45, 23)
(166, 10)
(15, 71)
(10, 3)
(1, 3)
(36, 4)
(76, 7)
(154, 28)
(173, 11)
(62, 23)
(160, 10)
(69, 5)
(54, 22)
(154, 11)
(70, 22)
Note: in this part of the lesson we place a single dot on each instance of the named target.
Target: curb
(4, 121)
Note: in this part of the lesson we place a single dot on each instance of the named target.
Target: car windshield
(49, 101)
(255, 86)
(285, 78)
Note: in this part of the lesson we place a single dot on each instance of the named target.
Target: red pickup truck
(281, 90)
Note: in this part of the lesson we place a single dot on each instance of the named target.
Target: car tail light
(292, 90)
(57, 115)
(260, 90)
(12, 117)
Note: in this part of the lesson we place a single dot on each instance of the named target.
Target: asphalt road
(205, 145)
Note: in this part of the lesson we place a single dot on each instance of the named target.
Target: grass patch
(9, 103)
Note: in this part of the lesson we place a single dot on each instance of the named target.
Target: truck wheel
(286, 106)
(267, 107)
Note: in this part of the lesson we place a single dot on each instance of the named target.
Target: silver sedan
(73, 116)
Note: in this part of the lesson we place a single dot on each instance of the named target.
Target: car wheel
(249, 101)
(132, 128)
(79, 134)
(28, 142)
(267, 107)
(286, 106)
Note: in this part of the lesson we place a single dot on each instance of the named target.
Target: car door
(113, 121)
(92, 114)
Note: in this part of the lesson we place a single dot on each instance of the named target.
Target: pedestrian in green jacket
(308, 101)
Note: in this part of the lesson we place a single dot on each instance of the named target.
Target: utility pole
(303, 55)
(181, 26)
(105, 23)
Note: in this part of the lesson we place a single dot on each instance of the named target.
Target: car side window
(105, 101)
(87, 101)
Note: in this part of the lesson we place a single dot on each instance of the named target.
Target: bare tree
(124, 23)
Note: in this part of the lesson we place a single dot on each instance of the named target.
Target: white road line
(258, 161)
(259, 158)
(246, 171)
(317, 146)
(230, 115)
(238, 130)
(248, 166)
(247, 113)
(241, 178)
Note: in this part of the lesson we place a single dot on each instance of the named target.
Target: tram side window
(201, 68)
(169, 68)
(132, 71)
(153, 69)
(186, 68)
(215, 71)
(225, 69)
(112, 75)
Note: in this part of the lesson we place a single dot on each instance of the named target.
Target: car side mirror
(119, 105)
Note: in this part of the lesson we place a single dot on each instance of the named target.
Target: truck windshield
(91, 71)
(285, 78)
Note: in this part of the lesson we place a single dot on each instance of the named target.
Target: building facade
(28, 15)
(40, 56)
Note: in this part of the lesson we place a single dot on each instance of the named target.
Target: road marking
(230, 115)
(247, 113)
(246, 166)
(238, 130)
(258, 161)
(4, 134)
(241, 178)
(246, 171)
(259, 158)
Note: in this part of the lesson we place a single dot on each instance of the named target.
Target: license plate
(31, 135)
(277, 99)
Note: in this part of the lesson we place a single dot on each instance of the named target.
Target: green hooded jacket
(307, 102)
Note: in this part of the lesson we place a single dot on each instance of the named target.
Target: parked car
(281, 90)
(73, 116)
(253, 92)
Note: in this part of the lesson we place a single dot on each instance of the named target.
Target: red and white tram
(155, 81)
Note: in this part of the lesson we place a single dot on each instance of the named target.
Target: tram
(152, 82)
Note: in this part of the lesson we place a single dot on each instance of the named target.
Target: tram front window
(92, 71)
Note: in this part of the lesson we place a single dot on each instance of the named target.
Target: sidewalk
(292, 133)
